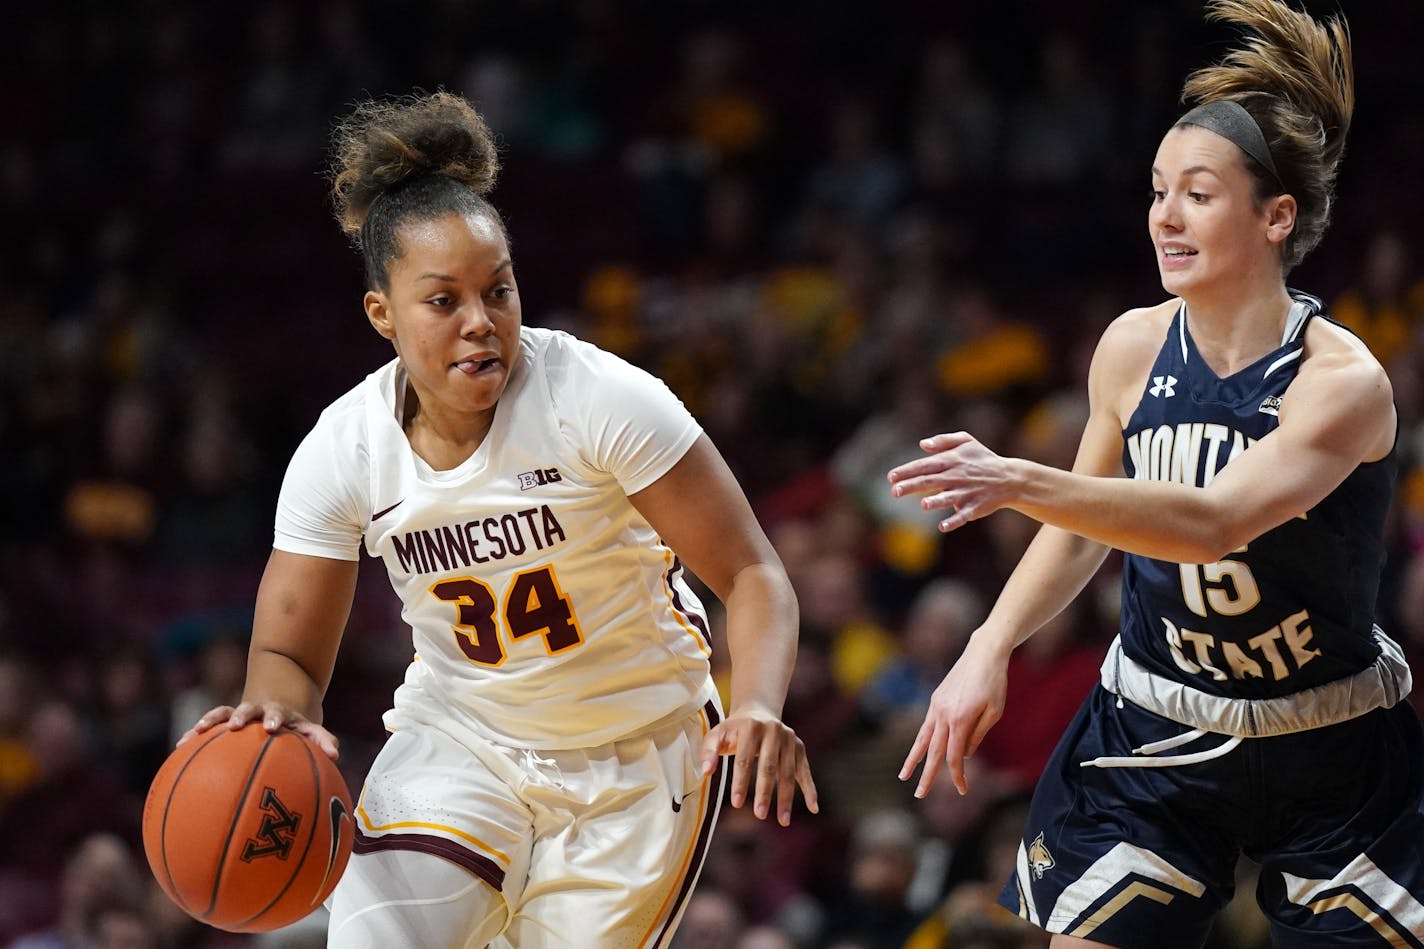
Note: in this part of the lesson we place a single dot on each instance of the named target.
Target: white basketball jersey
(546, 612)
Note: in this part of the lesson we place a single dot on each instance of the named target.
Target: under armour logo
(1163, 386)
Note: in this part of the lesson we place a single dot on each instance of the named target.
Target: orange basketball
(248, 831)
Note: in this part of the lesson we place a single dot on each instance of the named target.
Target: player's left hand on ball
(760, 740)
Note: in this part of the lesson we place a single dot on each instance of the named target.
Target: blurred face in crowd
(1209, 231)
(452, 312)
(118, 928)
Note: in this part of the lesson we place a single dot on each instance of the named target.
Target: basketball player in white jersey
(554, 767)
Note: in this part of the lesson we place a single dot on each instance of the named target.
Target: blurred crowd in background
(831, 229)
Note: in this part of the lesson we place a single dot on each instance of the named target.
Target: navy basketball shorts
(1144, 857)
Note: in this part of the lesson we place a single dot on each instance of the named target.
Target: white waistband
(1381, 685)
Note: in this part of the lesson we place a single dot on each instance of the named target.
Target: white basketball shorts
(589, 847)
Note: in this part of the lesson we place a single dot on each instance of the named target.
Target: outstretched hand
(272, 715)
(760, 737)
(959, 474)
(962, 710)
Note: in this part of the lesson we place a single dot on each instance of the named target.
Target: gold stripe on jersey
(1110, 909)
(1110, 874)
(1394, 912)
(425, 825)
(672, 605)
(1357, 906)
(704, 802)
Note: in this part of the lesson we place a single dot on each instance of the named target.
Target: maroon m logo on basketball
(279, 826)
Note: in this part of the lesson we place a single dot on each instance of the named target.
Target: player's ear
(1280, 218)
(378, 311)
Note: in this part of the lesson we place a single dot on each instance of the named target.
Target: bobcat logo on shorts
(1039, 859)
(274, 836)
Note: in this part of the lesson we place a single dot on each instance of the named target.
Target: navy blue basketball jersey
(1295, 607)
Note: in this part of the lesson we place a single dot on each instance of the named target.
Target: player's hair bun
(1295, 76)
(382, 145)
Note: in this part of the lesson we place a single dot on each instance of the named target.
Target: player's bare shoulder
(1141, 329)
(1334, 353)
(1329, 345)
(1337, 369)
(1125, 354)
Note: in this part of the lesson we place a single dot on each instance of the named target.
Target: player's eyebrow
(431, 275)
(1194, 169)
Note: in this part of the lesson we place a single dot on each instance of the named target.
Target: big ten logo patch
(275, 834)
(538, 477)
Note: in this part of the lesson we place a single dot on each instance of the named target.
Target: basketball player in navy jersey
(1249, 705)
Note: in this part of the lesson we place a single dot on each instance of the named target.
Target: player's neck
(1234, 329)
(445, 439)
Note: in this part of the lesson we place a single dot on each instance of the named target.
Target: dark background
(824, 225)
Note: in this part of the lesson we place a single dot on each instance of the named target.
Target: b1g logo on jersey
(538, 477)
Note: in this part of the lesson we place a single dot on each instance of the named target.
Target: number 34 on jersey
(534, 604)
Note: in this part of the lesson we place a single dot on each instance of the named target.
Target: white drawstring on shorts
(1171, 761)
(544, 770)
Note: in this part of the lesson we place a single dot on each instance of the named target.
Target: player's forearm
(1158, 519)
(1054, 570)
(762, 627)
(275, 677)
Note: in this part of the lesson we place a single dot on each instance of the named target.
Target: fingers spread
(768, 779)
(806, 781)
(244, 713)
(945, 442)
(934, 756)
(917, 750)
(768, 769)
(958, 739)
(939, 501)
(786, 771)
(322, 738)
(742, 769)
(213, 717)
(986, 722)
(958, 519)
(710, 750)
(773, 753)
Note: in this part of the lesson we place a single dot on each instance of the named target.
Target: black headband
(1229, 119)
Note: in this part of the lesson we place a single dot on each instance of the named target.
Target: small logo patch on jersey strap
(1163, 387)
(1039, 859)
(1271, 405)
(538, 477)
